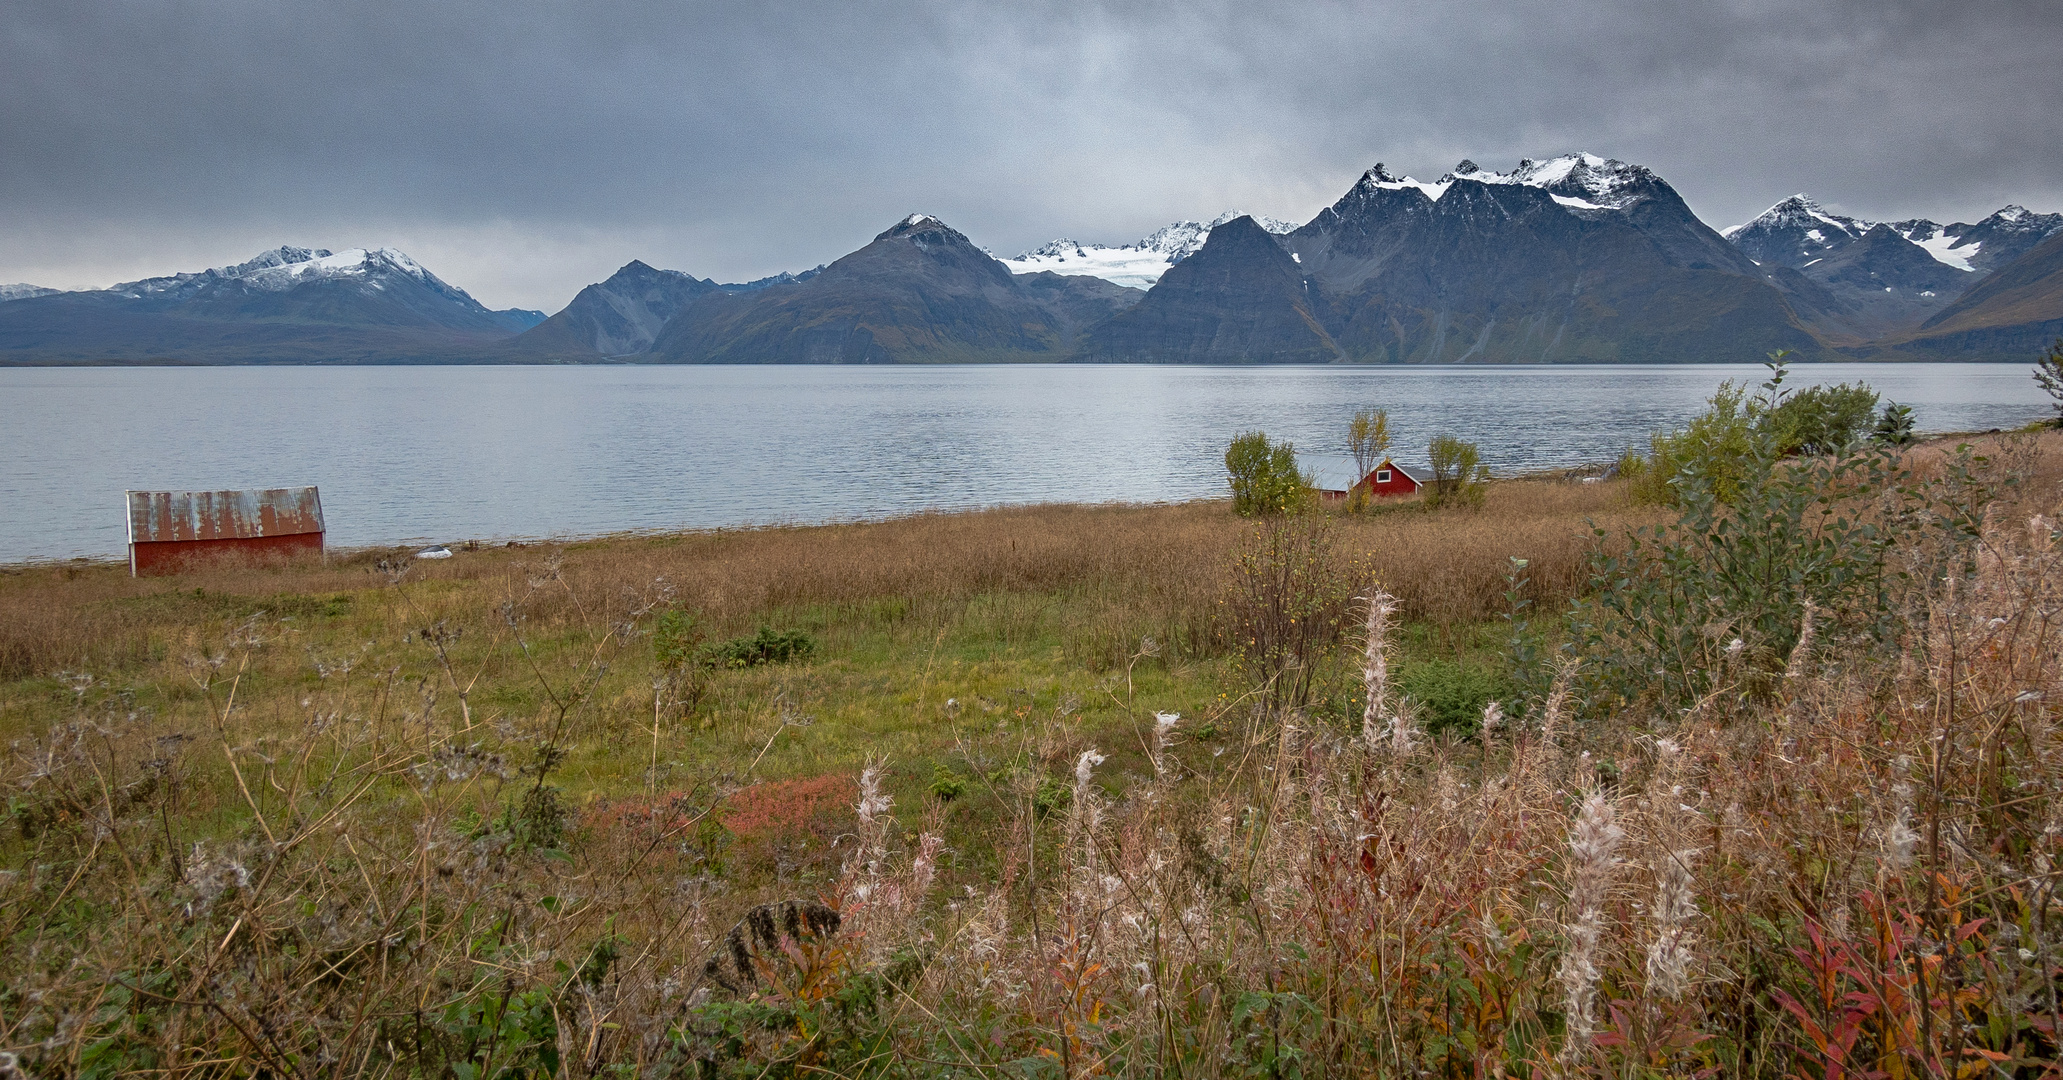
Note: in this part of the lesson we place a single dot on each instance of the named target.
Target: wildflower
(1801, 653)
(1083, 767)
(1593, 856)
(1163, 737)
(1493, 715)
(1375, 668)
(1676, 904)
(873, 801)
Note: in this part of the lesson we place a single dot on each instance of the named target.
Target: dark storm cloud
(523, 149)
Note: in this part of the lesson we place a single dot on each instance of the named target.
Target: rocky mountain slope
(919, 292)
(618, 317)
(2013, 314)
(1239, 299)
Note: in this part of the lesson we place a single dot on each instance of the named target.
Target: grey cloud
(525, 148)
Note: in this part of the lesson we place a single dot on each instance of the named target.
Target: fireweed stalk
(1675, 903)
(1593, 858)
(1381, 723)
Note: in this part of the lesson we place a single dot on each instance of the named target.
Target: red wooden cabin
(1389, 478)
(169, 530)
(1334, 482)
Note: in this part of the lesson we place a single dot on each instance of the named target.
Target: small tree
(1264, 476)
(2048, 374)
(1368, 439)
(1458, 477)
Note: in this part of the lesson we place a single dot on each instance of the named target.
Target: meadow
(1061, 791)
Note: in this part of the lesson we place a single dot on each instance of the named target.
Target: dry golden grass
(1161, 565)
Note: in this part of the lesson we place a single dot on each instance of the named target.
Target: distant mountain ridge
(1887, 276)
(287, 305)
(921, 291)
(1577, 258)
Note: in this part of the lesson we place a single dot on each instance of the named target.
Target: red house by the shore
(1386, 480)
(1389, 478)
(170, 530)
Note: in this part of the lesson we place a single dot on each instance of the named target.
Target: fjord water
(410, 454)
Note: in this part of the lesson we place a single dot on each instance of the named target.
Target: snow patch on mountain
(1135, 265)
(24, 292)
(1945, 248)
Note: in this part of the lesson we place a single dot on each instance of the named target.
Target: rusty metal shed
(169, 530)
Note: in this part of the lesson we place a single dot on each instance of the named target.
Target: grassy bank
(513, 813)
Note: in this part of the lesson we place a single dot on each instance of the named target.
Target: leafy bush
(1758, 537)
(946, 785)
(1720, 442)
(768, 646)
(1458, 476)
(1264, 476)
(1821, 419)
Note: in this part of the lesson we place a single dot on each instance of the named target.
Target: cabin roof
(157, 516)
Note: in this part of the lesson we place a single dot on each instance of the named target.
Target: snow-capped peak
(284, 268)
(25, 292)
(1578, 181)
(1800, 211)
(1381, 179)
(918, 219)
(1581, 180)
(2011, 212)
(1137, 265)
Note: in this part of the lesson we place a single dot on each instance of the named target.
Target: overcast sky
(523, 149)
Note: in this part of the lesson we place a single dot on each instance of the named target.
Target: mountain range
(286, 305)
(1573, 259)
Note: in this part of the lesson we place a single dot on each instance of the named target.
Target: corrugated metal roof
(157, 516)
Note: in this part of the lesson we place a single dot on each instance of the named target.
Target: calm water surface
(450, 453)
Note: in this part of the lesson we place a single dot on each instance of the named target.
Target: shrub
(1894, 425)
(1719, 442)
(1288, 601)
(1758, 537)
(1821, 419)
(765, 647)
(1264, 476)
(2048, 374)
(1450, 694)
(1458, 478)
(946, 785)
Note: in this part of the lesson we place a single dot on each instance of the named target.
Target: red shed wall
(153, 558)
(1399, 484)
